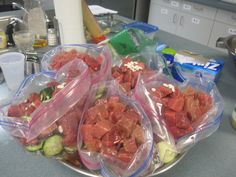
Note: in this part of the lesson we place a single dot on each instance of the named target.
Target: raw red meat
(127, 74)
(181, 110)
(115, 127)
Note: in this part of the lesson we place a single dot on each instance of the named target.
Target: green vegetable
(53, 146)
(46, 94)
(71, 150)
(166, 152)
(33, 148)
(100, 92)
(26, 118)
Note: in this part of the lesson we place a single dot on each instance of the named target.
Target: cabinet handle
(181, 22)
(175, 18)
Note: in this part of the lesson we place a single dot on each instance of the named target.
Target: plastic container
(149, 30)
(129, 40)
(12, 65)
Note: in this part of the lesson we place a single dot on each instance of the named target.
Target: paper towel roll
(70, 21)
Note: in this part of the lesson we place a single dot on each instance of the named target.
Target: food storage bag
(98, 59)
(181, 113)
(45, 112)
(126, 69)
(115, 136)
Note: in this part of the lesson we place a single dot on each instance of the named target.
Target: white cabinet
(182, 19)
(163, 17)
(198, 9)
(194, 28)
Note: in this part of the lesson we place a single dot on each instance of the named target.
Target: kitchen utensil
(228, 43)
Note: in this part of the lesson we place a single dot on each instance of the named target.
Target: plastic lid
(147, 28)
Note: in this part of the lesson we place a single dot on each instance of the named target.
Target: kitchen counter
(213, 157)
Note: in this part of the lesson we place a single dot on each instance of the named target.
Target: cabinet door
(165, 18)
(226, 17)
(220, 30)
(94, 2)
(198, 9)
(194, 28)
(124, 7)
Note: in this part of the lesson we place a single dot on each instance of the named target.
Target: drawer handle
(198, 8)
(175, 18)
(181, 22)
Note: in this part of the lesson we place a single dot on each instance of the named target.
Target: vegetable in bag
(46, 110)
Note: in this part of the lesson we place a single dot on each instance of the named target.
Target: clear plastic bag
(126, 69)
(111, 114)
(45, 112)
(98, 59)
(181, 113)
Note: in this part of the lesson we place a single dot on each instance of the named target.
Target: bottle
(40, 41)
(233, 119)
(52, 37)
(36, 21)
(3, 40)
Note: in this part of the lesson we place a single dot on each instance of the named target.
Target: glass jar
(52, 37)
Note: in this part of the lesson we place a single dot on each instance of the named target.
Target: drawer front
(175, 4)
(198, 9)
(195, 28)
(226, 17)
(220, 30)
(165, 18)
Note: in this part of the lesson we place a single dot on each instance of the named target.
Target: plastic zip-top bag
(98, 59)
(181, 113)
(126, 69)
(46, 110)
(115, 136)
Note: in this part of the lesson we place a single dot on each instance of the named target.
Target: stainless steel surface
(229, 43)
(160, 170)
(32, 63)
